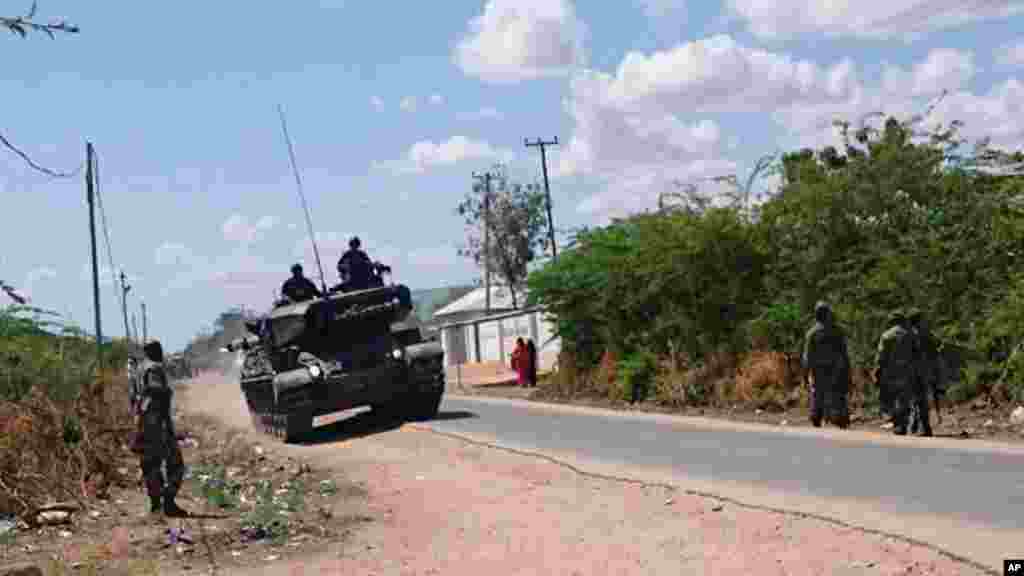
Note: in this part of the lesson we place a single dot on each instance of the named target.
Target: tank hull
(337, 353)
(285, 405)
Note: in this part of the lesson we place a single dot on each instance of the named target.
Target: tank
(351, 348)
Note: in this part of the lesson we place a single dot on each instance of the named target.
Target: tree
(21, 26)
(515, 224)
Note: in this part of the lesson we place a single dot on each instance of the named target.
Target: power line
(7, 144)
(103, 215)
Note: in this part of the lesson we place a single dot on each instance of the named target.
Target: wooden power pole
(486, 177)
(145, 334)
(547, 188)
(95, 264)
(124, 305)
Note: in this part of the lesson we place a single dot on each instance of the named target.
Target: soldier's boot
(154, 484)
(816, 407)
(171, 508)
(926, 424)
(900, 424)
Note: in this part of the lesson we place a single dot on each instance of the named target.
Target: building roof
(476, 301)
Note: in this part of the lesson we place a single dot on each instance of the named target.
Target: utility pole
(124, 305)
(547, 188)
(145, 334)
(486, 177)
(95, 265)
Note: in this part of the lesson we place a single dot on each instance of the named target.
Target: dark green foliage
(38, 349)
(898, 218)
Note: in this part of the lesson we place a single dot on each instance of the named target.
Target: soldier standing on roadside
(896, 370)
(159, 441)
(929, 374)
(133, 383)
(826, 360)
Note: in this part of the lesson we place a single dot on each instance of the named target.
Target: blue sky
(392, 107)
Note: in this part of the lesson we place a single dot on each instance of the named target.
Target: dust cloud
(215, 392)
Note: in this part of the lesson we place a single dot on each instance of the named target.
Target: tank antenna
(302, 197)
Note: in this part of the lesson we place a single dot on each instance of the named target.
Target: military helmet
(296, 268)
(897, 317)
(354, 243)
(154, 350)
(822, 311)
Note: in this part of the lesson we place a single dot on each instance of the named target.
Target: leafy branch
(21, 25)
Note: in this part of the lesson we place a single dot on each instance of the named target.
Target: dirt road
(443, 505)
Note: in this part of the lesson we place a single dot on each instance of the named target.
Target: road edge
(705, 422)
(469, 439)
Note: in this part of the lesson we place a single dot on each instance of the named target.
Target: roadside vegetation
(61, 425)
(706, 304)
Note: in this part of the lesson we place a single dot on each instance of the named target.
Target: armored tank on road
(347, 349)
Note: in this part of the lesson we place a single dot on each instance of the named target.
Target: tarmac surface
(949, 492)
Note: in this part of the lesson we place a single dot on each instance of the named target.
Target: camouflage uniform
(133, 384)
(826, 358)
(896, 369)
(298, 288)
(929, 372)
(159, 441)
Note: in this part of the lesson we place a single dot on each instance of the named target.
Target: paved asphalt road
(983, 488)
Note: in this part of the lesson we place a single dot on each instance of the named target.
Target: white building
(472, 335)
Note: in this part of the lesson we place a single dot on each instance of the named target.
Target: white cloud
(719, 74)
(426, 154)
(1011, 54)
(237, 228)
(997, 113)
(516, 40)
(436, 99)
(377, 103)
(647, 124)
(942, 69)
(866, 18)
(408, 104)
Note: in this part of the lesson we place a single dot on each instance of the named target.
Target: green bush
(897, 218)
(635, 373)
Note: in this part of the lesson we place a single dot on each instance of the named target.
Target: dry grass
(52, 451)
(767, 380)
(680, 382)
(760, 379)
